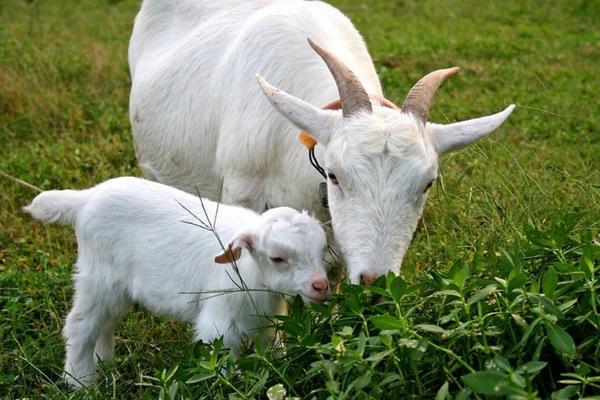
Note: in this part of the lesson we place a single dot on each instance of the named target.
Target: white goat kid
(134, 247)
(198, 118)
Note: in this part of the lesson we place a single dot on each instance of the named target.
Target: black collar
(323, 185)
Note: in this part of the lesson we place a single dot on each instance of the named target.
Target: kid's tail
(57, 206)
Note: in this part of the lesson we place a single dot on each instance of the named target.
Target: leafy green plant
(454, 334)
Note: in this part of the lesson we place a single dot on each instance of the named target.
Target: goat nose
(367, 279)
(320, 286)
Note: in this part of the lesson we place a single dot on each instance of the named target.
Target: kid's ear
(234, 248)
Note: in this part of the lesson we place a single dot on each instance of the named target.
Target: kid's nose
(321, 286)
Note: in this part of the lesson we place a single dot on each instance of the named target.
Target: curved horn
(353, 95)
(419, 98)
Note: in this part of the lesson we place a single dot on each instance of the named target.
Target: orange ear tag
(308, 141)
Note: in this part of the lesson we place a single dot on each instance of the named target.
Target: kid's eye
(332, 178)
(277, 260)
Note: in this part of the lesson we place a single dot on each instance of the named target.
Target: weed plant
(530, 331)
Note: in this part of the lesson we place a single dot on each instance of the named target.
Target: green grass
(516, 214)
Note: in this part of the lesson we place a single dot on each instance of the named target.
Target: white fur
(134, 247)
(199, 118)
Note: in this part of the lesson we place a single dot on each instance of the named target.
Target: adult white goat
(134, 247)
(199, 119)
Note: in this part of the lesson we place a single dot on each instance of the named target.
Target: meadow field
(499, 294)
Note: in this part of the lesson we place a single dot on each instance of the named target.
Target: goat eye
(332, 178)
(277, 260)
(428, 186)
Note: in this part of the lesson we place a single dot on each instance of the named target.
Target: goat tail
(57, 206)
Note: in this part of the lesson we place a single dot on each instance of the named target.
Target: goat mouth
(312, 299)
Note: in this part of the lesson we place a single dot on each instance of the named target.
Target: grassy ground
(64, 89)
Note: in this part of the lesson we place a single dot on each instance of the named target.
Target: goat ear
(233, 251)
(314, 121)
(451, 137)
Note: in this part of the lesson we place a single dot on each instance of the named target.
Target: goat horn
(353, 95)
(419, 98)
